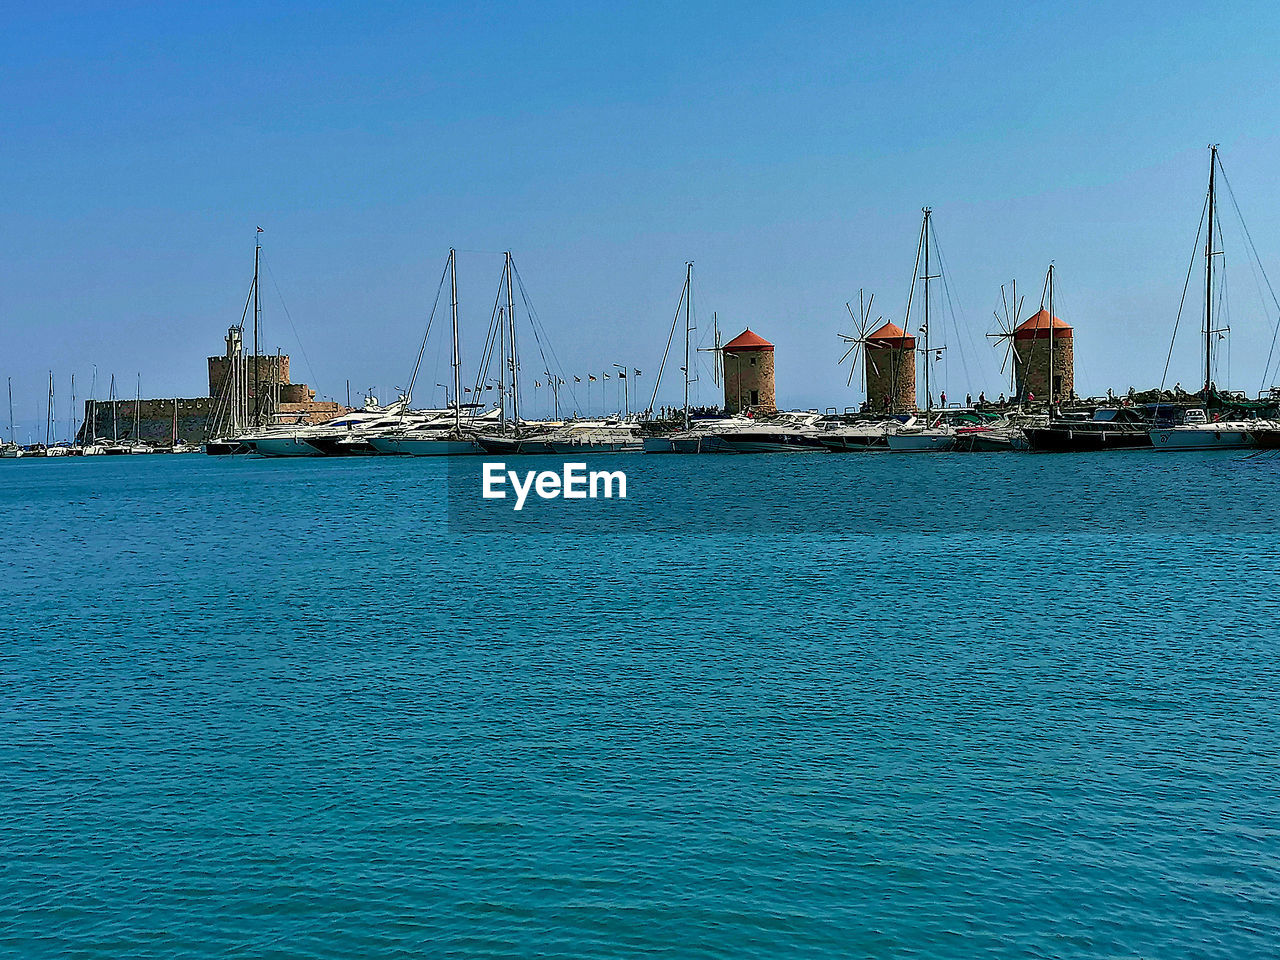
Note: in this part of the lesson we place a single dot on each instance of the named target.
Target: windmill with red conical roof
(748, 374)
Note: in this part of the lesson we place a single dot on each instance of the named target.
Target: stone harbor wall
(155, 420)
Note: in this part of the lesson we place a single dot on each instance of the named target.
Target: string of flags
(591, 378)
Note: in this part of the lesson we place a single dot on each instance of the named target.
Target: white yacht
(426, 443)
(609, 435)
(840, 436)
(696, 438)
(916, 437)
(784, 433)
(1196, 432)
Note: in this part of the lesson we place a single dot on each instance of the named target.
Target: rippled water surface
(815, 706)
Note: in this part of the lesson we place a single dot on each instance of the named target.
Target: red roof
(891, 335)
(1036, 327)
(747, 340)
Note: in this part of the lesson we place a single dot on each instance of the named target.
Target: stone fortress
(195, 417)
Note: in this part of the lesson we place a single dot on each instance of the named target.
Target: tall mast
(115, 406)
(257, 309)
(12, 439)
(48, 414)
(1208, 278)
(72, 425)
(688, 296)
(502, 368)
(137, 411)
(1050, 339)
(457, 358)
(928, 397)
(511, 340)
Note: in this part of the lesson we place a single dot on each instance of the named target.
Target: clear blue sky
(785, 148)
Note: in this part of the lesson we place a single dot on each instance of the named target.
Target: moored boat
(785, 433)
(922, 440)
(1197, 432)
(1112, 428)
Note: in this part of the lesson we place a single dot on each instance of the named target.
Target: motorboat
(930, 436)
(698, 438)
(842, 437)
(387, 436)
(583, 436)
(783, 433)
(1197, 432)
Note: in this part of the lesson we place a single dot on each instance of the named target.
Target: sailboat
(452, 440)
(685, 441)
(10, 450)
(92, 445)
(230, 416)
(137, 445)
(1196, 432)
(929, 436)
(51, 449)
(115, 448)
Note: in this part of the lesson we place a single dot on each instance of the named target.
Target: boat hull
(921, 442)
(341, 445)
(291, 446)
(1268, 439)
(1074, 440)
(424, 447)
(1203, 438)
(220, 448)
(855, 443)
(513, 446)
(760, 443)
(990, 442)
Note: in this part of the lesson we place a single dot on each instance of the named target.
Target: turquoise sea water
(814, 706)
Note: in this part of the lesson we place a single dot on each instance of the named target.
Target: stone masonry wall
(1031, 364)
(741, 376)
(891, 379)
(271, 370)
(155, 420)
